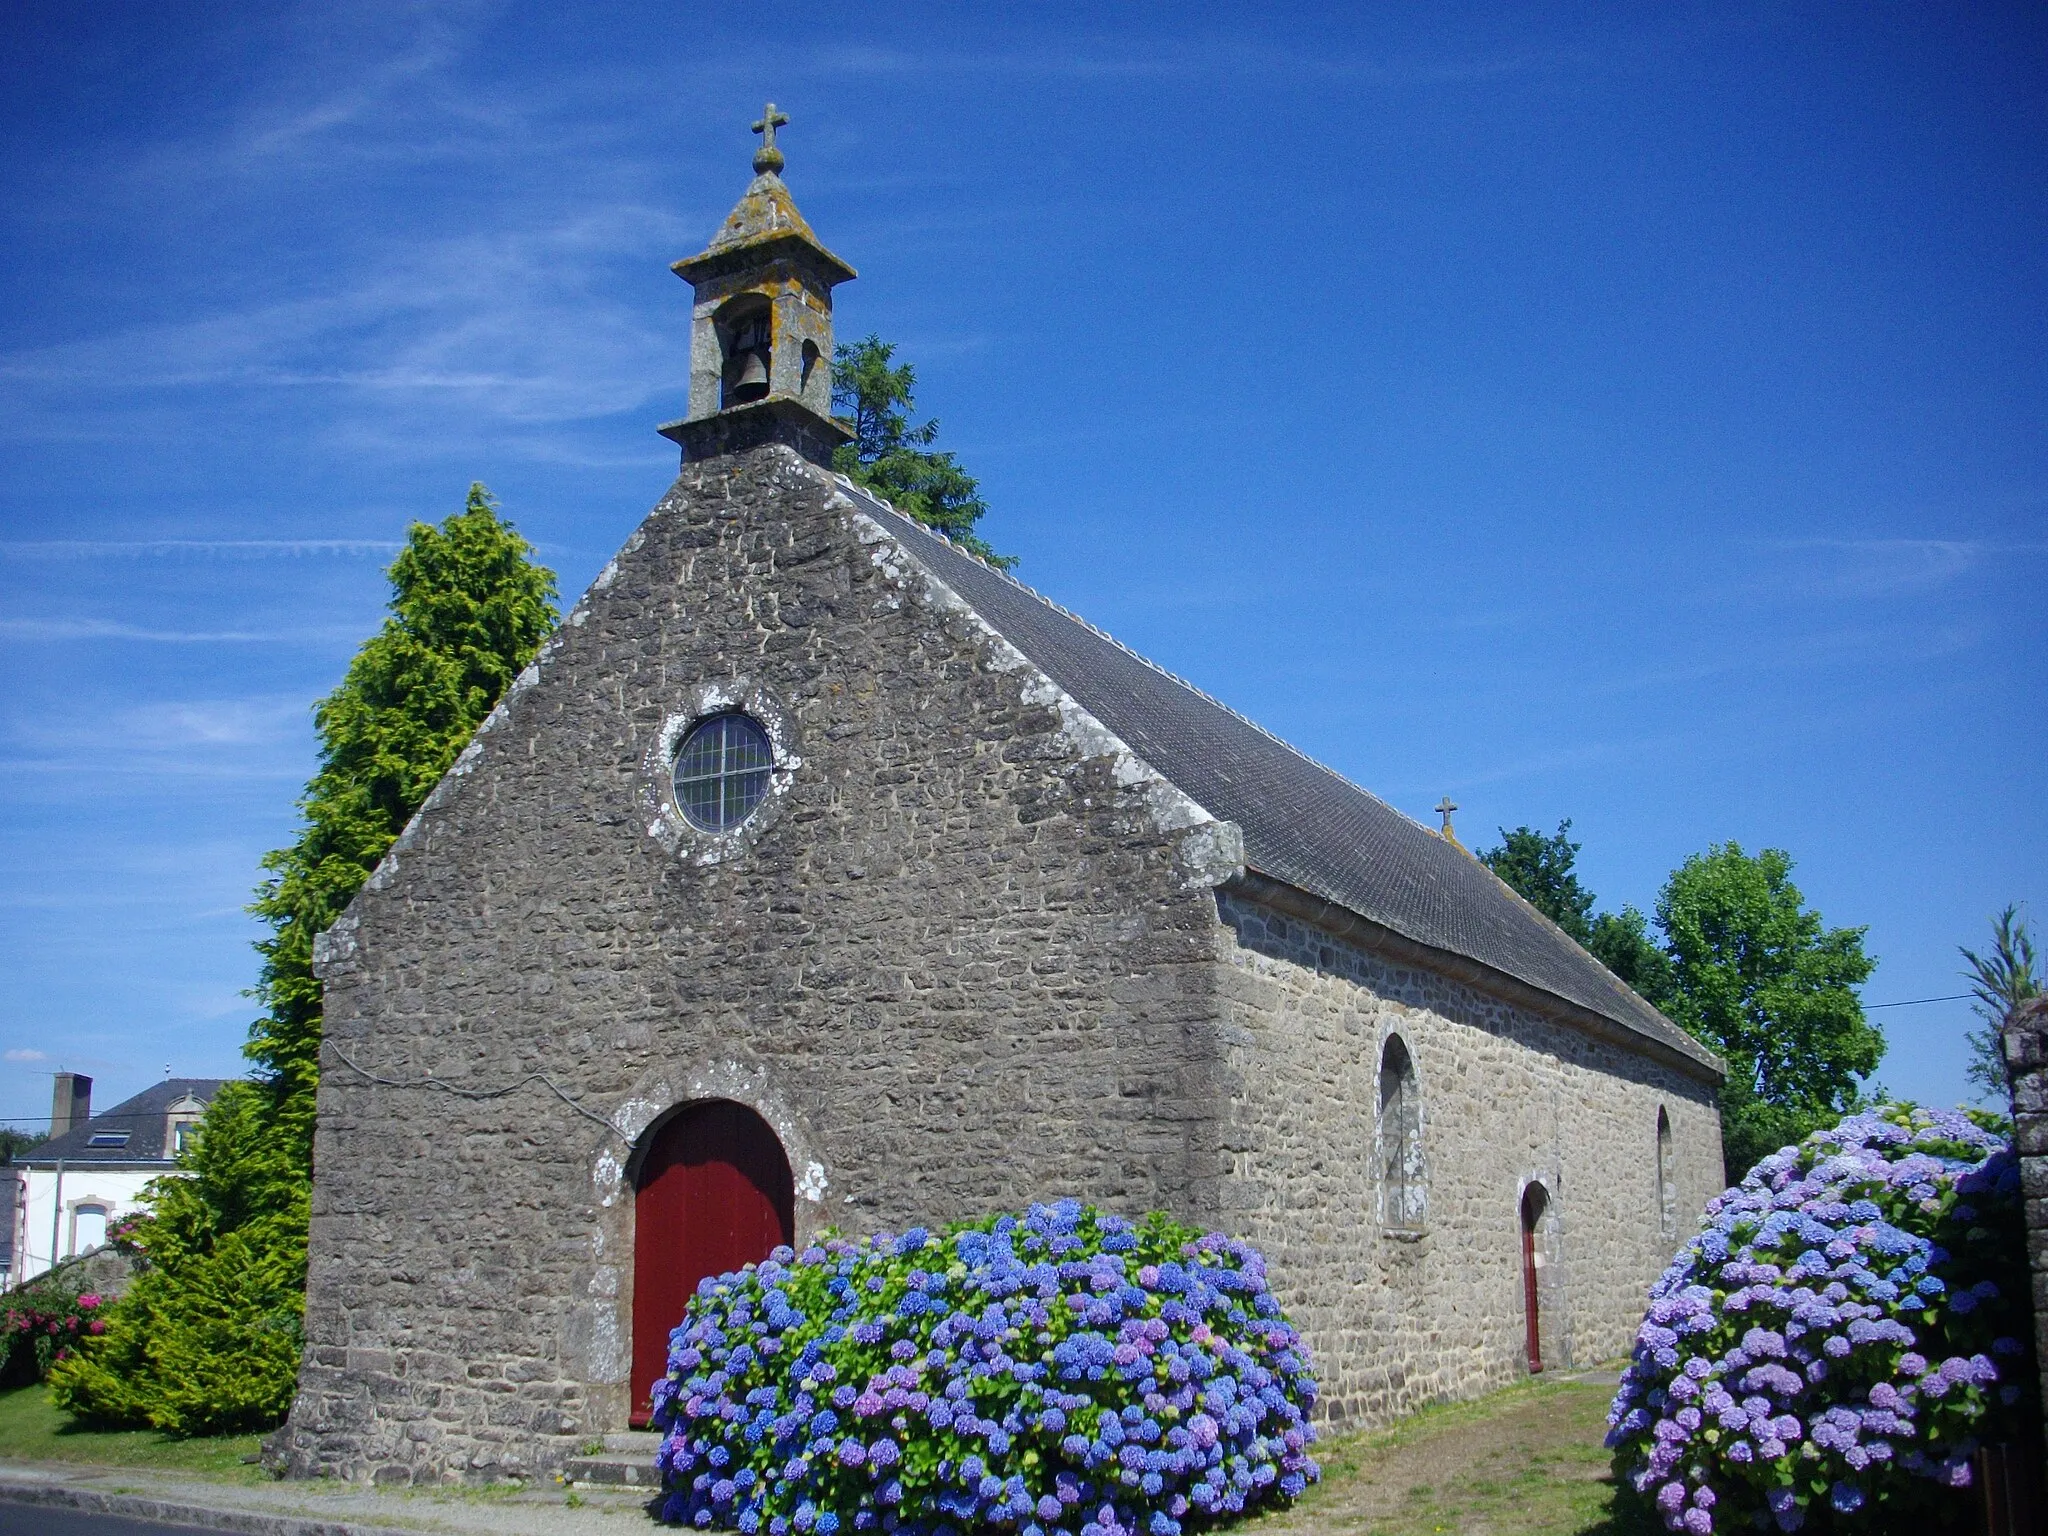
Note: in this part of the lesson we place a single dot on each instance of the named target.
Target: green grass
(1524, 1461)
(32, 1429)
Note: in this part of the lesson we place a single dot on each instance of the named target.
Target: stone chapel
(818, 875)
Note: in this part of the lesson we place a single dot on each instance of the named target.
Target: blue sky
(1629, 414)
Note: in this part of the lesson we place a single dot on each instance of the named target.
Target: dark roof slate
(142, 1117)
(1302, 823)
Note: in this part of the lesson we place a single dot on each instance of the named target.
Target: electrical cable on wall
(479, 1093)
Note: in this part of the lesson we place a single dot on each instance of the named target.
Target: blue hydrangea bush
(1060, 1373)
(1847, 1328)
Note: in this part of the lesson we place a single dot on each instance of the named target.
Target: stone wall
(2025, 1039)
(1395, 1318)
(958, 965)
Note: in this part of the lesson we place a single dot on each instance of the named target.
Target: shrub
(1846, 1328)
(41, 1324)
(207, 1337)
(1062, 1373)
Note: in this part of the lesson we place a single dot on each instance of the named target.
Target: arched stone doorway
(1535, 1205)
(713, 1192)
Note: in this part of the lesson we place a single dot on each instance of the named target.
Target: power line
(1915, 1002)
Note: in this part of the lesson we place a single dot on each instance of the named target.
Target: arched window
(746, 337)
(1404, 1191)
(88, 1226)
(1667, 1177)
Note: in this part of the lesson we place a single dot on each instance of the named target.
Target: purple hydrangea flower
(1813, 1294)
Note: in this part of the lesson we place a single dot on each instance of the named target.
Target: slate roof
(1302, 823)
(142, 1117)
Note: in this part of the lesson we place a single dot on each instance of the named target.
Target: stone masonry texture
(2025, 1041)
(966, 957)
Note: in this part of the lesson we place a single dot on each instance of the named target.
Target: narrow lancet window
(1667, 1180)
(1404, 1192)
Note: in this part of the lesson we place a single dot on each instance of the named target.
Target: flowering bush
(1062, 1373)
(40, 1325)
(1846, 1328)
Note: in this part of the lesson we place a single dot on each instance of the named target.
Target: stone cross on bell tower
(761, 328)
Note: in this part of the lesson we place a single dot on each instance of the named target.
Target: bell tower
(761, 328)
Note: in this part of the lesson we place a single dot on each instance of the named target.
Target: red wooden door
(1532, 1215)
(714, 1193)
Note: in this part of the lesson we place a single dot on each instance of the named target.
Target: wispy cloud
(210, 723)
(514, 327)
(60, 630)
(23, 1055)
(1878, 567)
(1189, 58)
(259, 737)
(243, 549)
(1852, 569)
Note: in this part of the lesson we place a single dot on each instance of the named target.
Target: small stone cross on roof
(1443, 808)
(768, 158)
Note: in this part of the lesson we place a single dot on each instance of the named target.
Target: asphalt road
(38, 1520)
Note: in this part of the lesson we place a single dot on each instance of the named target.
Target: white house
(93, 1169)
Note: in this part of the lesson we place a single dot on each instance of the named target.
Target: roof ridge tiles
(1311, 828)
(1141, 658)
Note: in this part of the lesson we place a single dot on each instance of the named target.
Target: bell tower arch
(761, 326)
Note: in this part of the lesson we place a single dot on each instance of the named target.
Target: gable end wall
(967, 963)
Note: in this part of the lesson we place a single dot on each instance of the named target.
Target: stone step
(611, 1471)
(634, 1441)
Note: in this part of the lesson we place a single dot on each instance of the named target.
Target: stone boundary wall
(2025, 1038)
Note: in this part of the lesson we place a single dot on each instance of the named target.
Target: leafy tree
(1759, 979)
(207, 1338)
(2001, 979)
(894, 458)
(14, 1143)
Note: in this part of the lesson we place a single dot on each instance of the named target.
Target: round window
(722, 772)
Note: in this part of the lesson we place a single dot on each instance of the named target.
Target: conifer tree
(892, 457)
(207, 1338)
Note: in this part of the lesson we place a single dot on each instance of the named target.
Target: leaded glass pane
(722, 772)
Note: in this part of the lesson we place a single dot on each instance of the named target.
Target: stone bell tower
(761, 329)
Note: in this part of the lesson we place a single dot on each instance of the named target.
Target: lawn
(1521, 1461)
(31, 1429)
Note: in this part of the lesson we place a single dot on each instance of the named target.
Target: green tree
(14, 1143)
(1621, 941)
(207, 1338)
(895, 459)
(2002, 978)
(1758, 978)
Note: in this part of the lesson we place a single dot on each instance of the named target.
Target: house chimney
(71, 1103)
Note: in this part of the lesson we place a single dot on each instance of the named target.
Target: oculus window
(722, 772)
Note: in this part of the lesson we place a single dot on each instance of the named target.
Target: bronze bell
(752, 383)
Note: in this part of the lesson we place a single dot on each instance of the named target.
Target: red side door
(1532, 1214)
(714, 1193)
